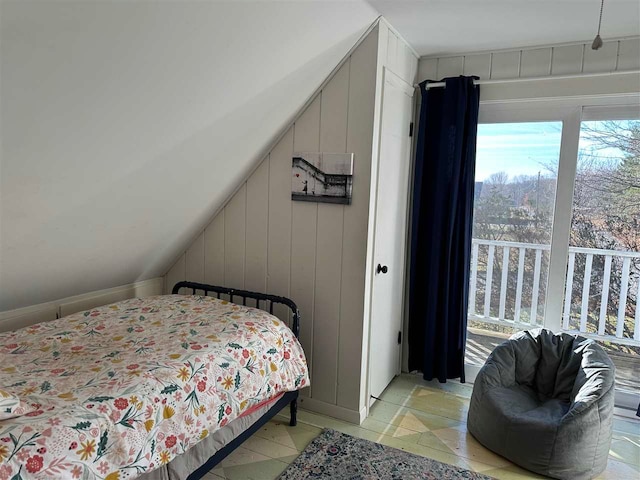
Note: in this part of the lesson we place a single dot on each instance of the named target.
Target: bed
(157, 388)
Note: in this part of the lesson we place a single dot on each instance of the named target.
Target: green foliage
(102, 445)
(606, 208)
(81, 426)
(169, 389)
(100, 399)
(518, 210)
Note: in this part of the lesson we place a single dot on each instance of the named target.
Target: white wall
(43, 312)
(570, 59)
(313, 253)
(124, 125)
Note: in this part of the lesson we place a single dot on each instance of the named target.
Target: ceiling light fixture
(597, 42)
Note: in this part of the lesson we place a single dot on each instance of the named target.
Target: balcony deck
(480, 343)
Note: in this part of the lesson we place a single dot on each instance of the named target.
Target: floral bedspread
(122, 389)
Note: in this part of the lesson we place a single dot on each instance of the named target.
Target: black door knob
(382, 269)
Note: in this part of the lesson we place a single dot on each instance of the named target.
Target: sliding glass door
(556, 233)
(603, 273)
(516, 180)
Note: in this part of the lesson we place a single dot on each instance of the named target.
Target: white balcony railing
(521, 271)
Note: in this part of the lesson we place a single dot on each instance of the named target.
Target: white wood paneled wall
(615, 55)
(314, 253)
(618, 55)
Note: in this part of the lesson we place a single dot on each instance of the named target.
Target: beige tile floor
(425, 418)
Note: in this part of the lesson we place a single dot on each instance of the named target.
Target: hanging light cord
(600, 20)
(597, 42)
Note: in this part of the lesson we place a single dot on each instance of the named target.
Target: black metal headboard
(269, 300)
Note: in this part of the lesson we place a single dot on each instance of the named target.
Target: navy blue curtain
(442, 214)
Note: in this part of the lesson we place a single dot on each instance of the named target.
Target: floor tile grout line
(390, 424)
(280, 444)
(251, 463)
(423, 411)
(456, 445)
(265, 455)
(448, 450)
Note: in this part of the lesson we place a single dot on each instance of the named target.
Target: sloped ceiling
(124, 125)
(437, 27)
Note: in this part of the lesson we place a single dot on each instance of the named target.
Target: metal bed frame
(290, 398)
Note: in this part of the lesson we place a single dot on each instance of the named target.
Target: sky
(517, 148)
(523, 148)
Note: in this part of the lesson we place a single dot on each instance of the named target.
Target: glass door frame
(571, 111)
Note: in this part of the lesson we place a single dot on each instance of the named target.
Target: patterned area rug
(338, 456)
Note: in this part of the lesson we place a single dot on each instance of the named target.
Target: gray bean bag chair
(545, 402)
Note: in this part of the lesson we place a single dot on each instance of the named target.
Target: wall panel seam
(224, 246)
(313, 289)
(246, 202)
(338, 363)
(293, 137)
(399, 36)
(348, 100)
(519, 63)
(320, 120)
(346, 143)
(266, 244)
(491, 65)
(204, 255)
(204, 250)
(315, 250)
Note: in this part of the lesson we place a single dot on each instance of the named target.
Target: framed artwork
(322, 177)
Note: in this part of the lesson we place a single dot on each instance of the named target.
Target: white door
(390, 233)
